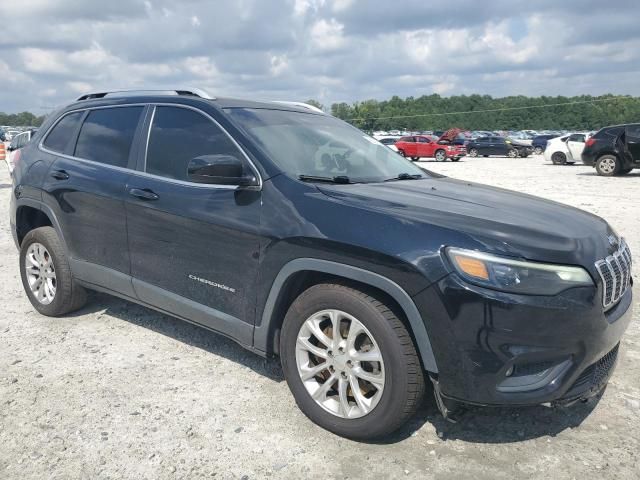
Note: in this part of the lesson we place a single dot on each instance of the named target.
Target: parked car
(367, 281)
(389, 142)
(13, 150)
(501, 146)
(440, 148)
(565, 150)
(613, 150)
(539, 143)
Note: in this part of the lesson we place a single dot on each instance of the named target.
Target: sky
(52, 51)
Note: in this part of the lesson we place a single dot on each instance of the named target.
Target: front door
(575, 145)
(194, 247)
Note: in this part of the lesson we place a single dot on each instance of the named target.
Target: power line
(548, 105)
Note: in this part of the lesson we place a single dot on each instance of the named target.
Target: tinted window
(423, 140)
(59, 137)
(179, 135)
(576, 137)
(406, 139)
(633, 131)
(607, 133)
(482, 140)
(107, 134)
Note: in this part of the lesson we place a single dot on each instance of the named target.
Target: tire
(608, 165)
(401, 152)
(455, 159)
(538, 151)
(558, 158)
(624, 171)
(440, 156)
(473, 152)
(415, 159)
(513, 153)
(403, 388)
(485, 156)
(43, 243)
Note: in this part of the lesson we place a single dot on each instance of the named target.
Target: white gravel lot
(120, 391)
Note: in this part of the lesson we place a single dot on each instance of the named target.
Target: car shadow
(492, 425)
(632, 174)
(198, 337)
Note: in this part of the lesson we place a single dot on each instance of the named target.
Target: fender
(30, 202)
(260, 338)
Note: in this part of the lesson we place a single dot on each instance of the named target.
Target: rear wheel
(608, 166)
(46, 275)
(401, 152)
(350, 362)
(538, 150)
(415, 159)
(559, 158)
(513, 153)
(440, 156)
(473, 152)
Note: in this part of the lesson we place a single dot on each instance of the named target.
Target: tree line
(433, 112)
(23, 119)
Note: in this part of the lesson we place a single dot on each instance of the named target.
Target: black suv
(613, 150)
(502, 146)
(297, 235)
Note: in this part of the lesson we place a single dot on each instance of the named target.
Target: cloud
(332, 50)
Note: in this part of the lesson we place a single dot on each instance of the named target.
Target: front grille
(615, 271)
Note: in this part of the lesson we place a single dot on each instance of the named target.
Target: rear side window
(633, 131)
(179, 135)
(407, 139)
(608, 133)
(60, 136)
(107, 134)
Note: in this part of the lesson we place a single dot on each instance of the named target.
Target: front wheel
(608, 166)
(455, 159)
(513, 153)
(440, 156)
(473, 152)
(46, 275)
(350, 362)
(538, 151)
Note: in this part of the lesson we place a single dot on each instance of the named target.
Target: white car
(566, 149)
(17, 142)
(389, 142)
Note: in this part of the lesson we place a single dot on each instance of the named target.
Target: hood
(450, 135)
(517, 143)
(491, 219)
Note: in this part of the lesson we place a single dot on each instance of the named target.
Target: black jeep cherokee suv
(297, 235)
(613, 150)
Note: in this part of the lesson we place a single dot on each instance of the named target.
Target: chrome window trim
(142, 172)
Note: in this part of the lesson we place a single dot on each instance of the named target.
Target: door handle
(143, 194)
(60, 175)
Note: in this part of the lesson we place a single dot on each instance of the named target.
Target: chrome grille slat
(615, 272)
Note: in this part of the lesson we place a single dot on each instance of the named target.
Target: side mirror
(219, 169)
(11, 148)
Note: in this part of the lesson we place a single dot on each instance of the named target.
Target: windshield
(312, 145)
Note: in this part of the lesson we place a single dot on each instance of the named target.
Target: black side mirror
(11, 148)
(219, 169)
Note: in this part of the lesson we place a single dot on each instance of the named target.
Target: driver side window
(179, 135)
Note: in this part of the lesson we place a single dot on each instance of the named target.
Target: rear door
(633, 142)
(423, 147)
(85, 188)
(194, 247)
(409, 146)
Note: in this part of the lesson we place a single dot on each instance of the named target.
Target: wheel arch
(301, 273)
(31, 214)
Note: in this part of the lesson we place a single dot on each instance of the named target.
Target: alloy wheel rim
(340, 364)
(607, 165)
(440, 156)
(40, 273)
(512, 153)
(473, 152)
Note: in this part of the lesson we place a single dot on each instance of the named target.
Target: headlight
(516, 276)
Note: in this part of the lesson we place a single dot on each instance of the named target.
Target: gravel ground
(120, 391)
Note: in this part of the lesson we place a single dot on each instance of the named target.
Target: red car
(441, 148)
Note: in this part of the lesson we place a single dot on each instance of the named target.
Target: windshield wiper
(337, 179)
(406, 176)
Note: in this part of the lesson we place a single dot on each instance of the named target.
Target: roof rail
(300, 104)
(194, 92)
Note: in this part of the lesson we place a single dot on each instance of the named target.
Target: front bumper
(495, 348)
